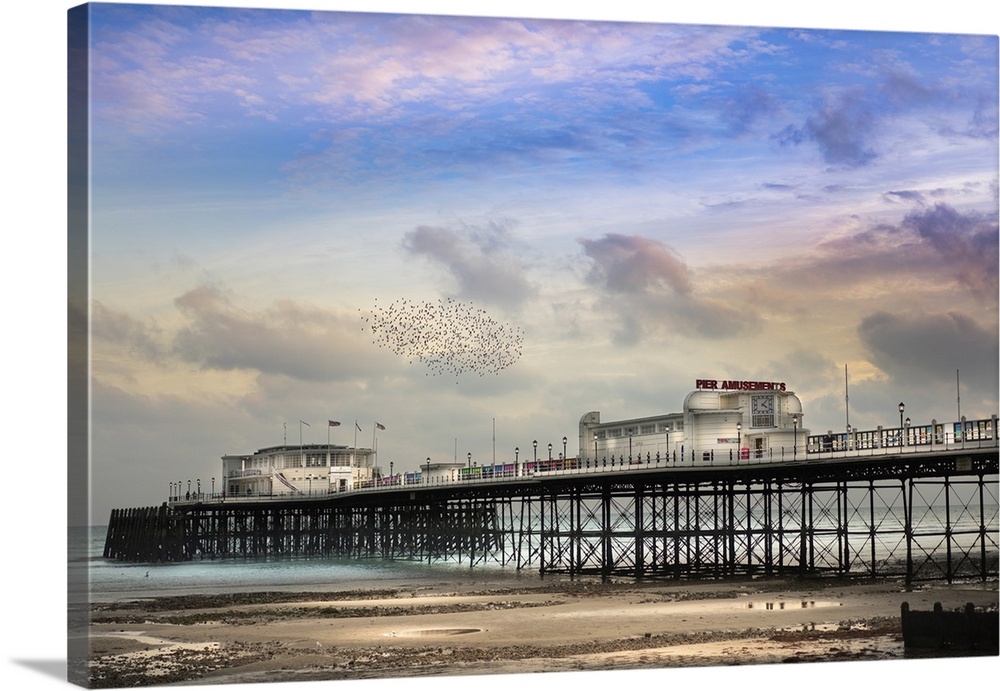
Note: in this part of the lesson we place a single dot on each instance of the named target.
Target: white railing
(810, 451)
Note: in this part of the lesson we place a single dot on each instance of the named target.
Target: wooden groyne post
(967, 630)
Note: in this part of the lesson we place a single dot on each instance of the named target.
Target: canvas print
(414, 345)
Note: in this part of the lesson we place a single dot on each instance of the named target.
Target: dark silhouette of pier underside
(922, 516)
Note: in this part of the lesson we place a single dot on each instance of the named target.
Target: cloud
(904, 196)
(646, 285)
(967, 243)
(841, 128)
(634, 264)
(287, 338)
(929, 347)
(479, 259)
(929, 247)
(419, 95)
(749, 105)
(140, 339)
(284, 339)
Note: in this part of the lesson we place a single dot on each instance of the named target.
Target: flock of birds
(448, 336)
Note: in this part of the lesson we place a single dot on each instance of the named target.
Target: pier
(921, 511)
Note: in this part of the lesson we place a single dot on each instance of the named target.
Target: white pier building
(299, 469)
(746, 418)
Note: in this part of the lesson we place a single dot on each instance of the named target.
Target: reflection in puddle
(433, 632)
(801, 604)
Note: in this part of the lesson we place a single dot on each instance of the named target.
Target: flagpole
(301, 453)
(847, 400)
(958, 393)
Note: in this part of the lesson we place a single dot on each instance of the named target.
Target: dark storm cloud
(648, 286)
(929, 346)
(478, 259)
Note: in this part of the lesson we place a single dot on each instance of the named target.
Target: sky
(643, 203)
(35, 284)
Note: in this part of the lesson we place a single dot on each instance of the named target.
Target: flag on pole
(334, 423)
(380, 425)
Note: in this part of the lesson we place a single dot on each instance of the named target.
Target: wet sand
(455, 628)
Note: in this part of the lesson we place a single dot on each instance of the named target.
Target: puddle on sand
(432, 632)
(789, 605)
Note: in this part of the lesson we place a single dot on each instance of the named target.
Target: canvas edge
(78, 345)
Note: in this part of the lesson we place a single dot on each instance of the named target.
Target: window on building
(315, 460)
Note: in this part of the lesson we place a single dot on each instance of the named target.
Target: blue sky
(648, 203)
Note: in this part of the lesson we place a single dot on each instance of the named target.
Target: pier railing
(931, 440)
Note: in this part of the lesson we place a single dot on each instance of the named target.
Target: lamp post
(564, 448)
(795, 435)
(595, 451)
(550, 452)
(470, 460)
(534, 452)
(392, 480)
(213, 486)
(902, 407)
(906, 430)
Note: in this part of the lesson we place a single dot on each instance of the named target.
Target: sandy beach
(551, 625)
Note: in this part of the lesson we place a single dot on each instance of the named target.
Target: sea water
(108, 579)
(96, 579)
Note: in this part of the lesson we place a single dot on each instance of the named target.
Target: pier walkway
(923, 511)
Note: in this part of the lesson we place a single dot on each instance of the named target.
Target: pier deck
(922, 514)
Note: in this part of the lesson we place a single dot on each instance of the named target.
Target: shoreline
(448, 627)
